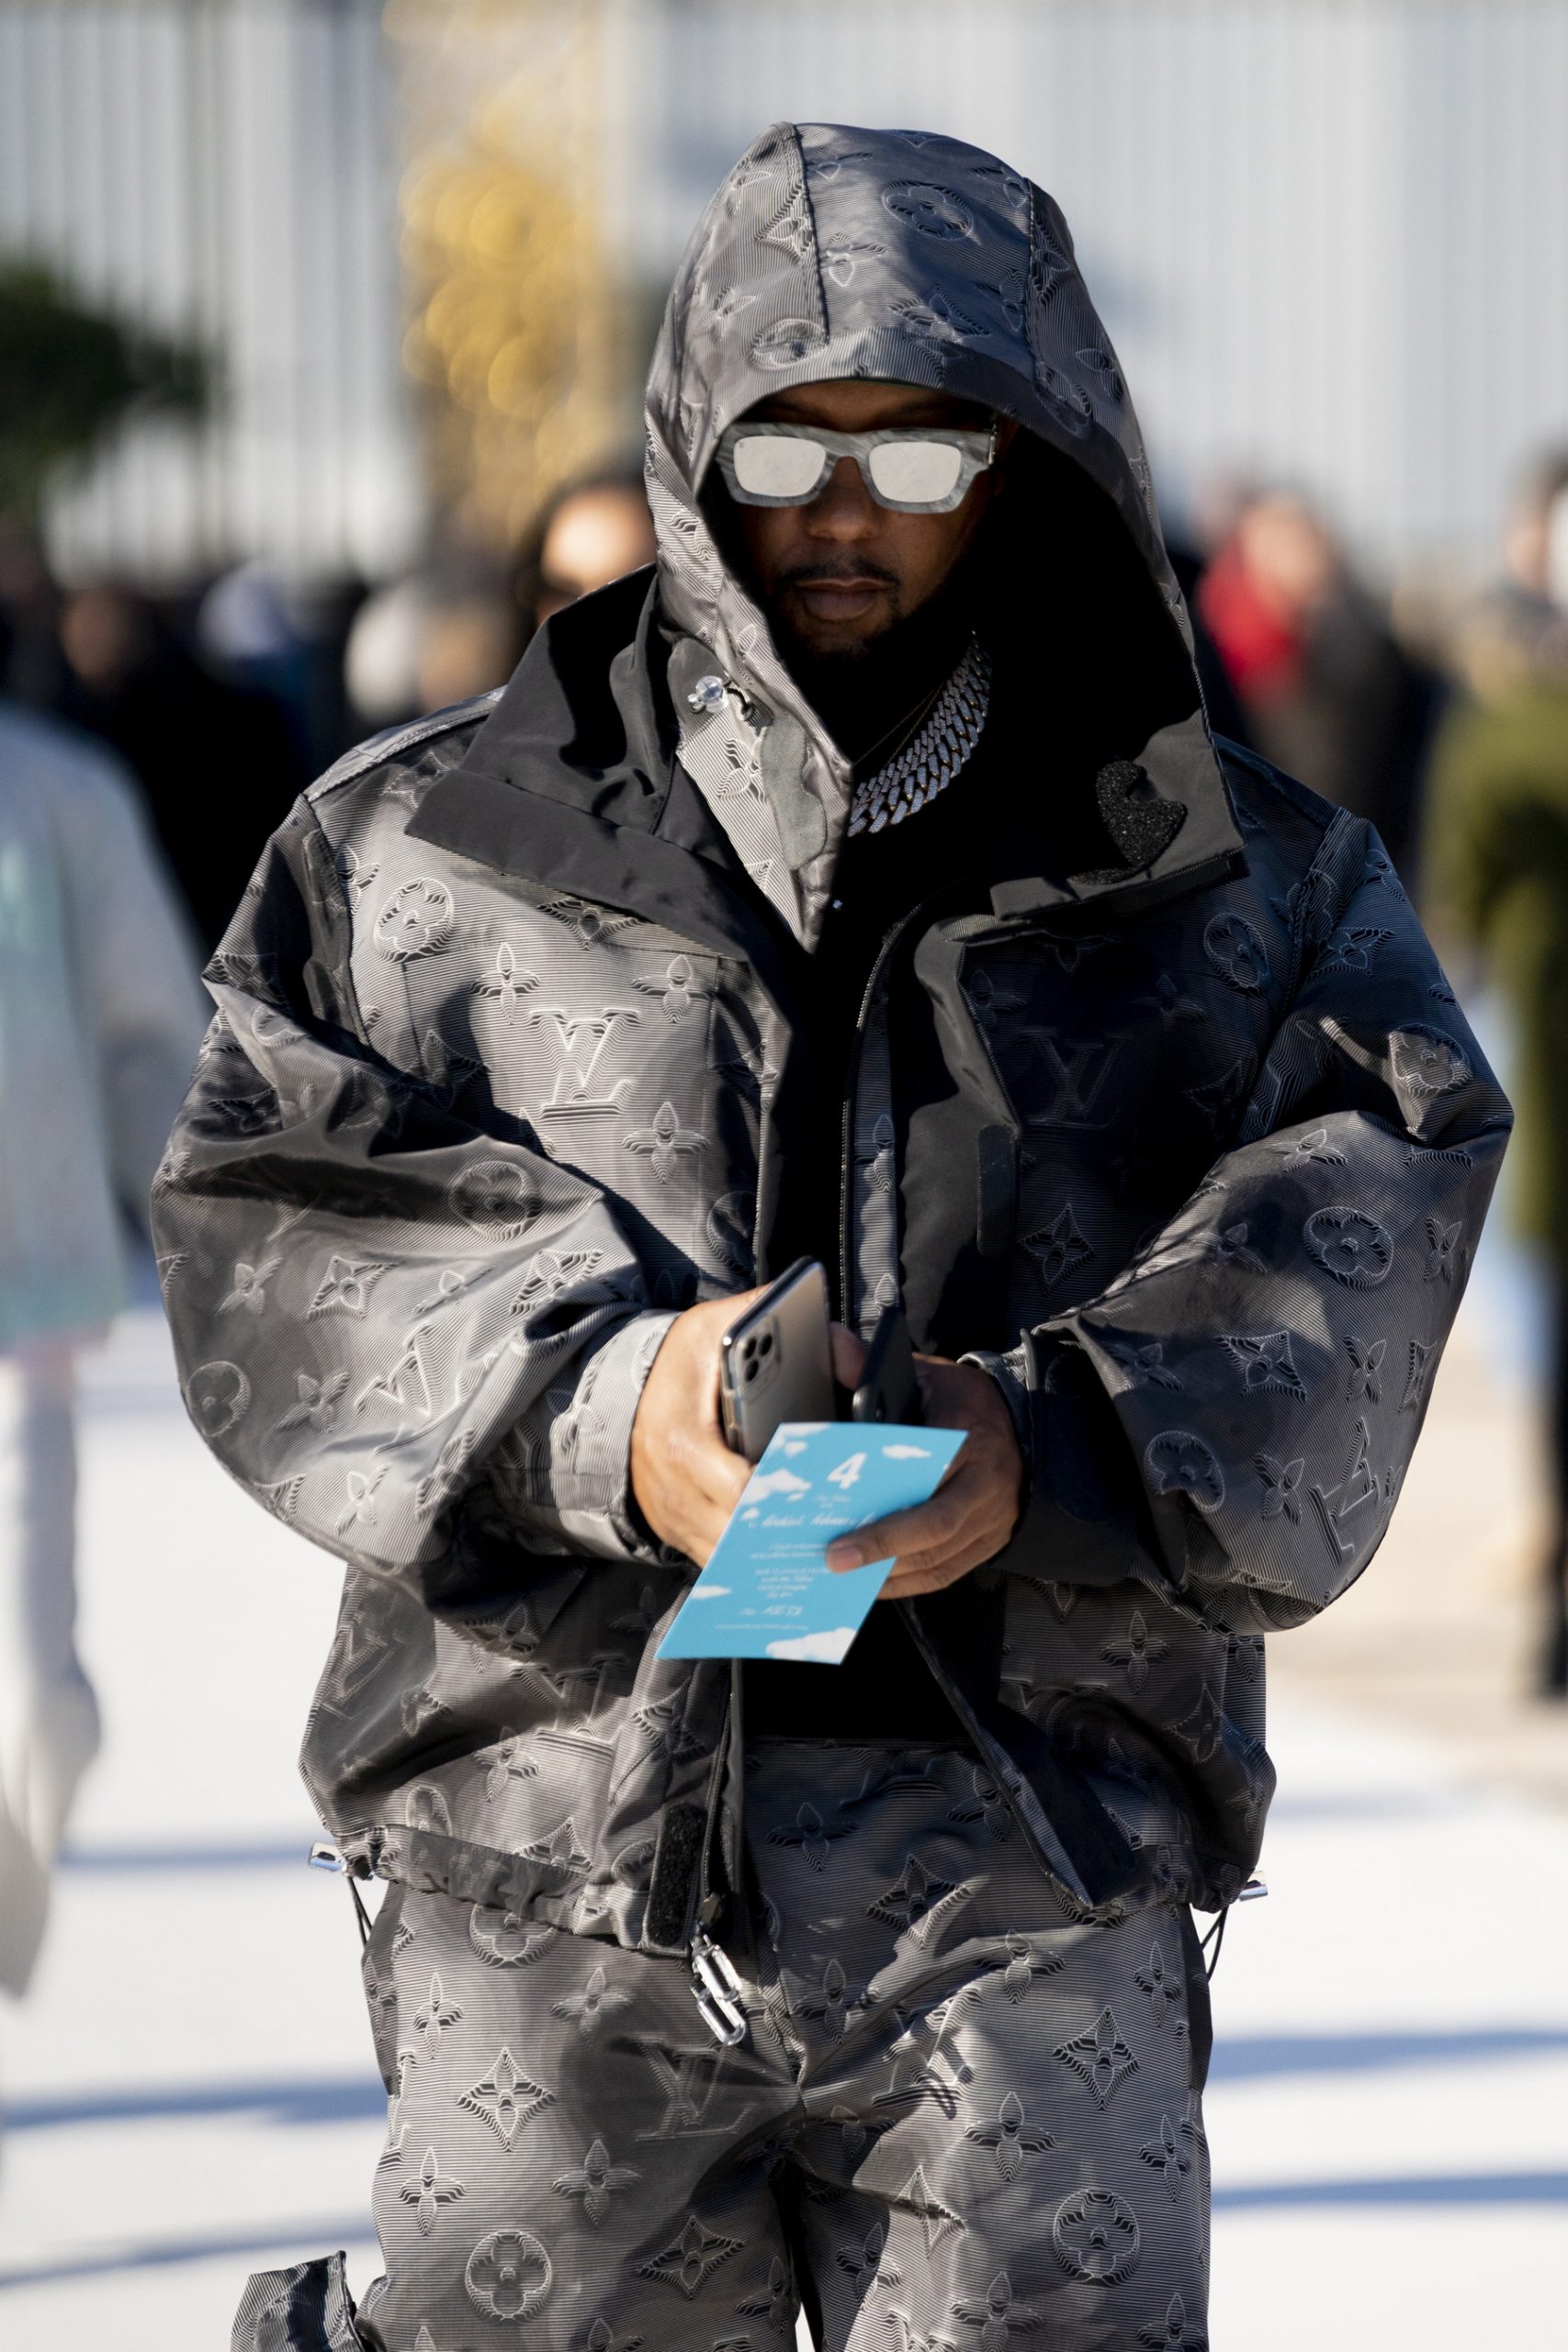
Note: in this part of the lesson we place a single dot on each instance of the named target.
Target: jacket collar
(579, 790)
(1172, 826)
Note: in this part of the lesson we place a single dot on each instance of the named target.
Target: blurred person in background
(590, 533)
(284, 639)
(1328, 692)
(248, 636)
(439, 636)
(457, 627)
(218, 763)
(864, 884)
(32, 667)
(1497, 880)
(100, 1022)
(1221, 701)
(1516, 635)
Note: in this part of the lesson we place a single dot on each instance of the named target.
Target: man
(1497, 880)
(863, 881)
(100, 1020)
(1328, 687)
(130, 683)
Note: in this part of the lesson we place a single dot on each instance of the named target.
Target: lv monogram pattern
(473, 1122)
(957, 2119)
(425, 1221)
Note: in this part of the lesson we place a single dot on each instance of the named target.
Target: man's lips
(839, 598)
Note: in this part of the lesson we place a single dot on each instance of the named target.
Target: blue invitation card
(767, 1591)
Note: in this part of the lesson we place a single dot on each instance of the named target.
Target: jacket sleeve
(1230, 1419)
(420, 1342)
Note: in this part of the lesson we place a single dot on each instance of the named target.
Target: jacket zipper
(715, 1987)
(846, 1132)
(1043, 1843)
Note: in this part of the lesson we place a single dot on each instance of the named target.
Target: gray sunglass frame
(977, 452)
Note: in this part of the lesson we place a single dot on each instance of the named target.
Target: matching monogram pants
(957, 2120)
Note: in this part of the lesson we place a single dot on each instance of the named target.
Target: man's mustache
(832, 575)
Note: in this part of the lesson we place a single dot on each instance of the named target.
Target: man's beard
(861, 689)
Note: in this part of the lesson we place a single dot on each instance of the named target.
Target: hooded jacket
(503, 1075)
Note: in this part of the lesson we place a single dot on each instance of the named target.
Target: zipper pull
(718, 1990)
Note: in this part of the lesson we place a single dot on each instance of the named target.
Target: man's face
(835, 576)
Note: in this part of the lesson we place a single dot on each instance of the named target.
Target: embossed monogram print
(923, 2252)
(581, 1046)
(1191, 1162)
(1077, 1073)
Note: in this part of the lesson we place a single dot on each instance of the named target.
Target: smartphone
(888, 1389)
(775, 1361)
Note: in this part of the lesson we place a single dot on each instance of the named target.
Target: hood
(655, 718)
(833, 252)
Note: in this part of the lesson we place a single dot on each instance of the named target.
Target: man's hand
(687, 1481)
(685, 1477)
(975, 1509)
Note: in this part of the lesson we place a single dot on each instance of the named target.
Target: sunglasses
(920, 469)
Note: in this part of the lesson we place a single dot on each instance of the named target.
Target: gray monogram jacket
(503, 1075)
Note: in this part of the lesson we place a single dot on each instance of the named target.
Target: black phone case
(888, 1390)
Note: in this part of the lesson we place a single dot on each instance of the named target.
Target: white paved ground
(191, 2093)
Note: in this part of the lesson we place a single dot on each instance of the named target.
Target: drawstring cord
(1250, 1893)
(360, 1912)
(324, 1856)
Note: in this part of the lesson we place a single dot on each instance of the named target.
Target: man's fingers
(977, 1543)
(906, 1584)
(848, 1356)
(933, 1527)
(932, 1572)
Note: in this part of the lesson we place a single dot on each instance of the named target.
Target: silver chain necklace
(934, 753)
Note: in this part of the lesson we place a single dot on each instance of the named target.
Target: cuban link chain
(934, 753)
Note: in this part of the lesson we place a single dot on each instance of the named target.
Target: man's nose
(844, 508)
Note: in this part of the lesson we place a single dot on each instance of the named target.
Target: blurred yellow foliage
(515, 312)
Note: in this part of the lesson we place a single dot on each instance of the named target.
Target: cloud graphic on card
(777, 1482)
(818, 1649)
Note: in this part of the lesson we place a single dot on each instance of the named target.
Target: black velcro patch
(1138, 820)
(675, 1861)
(996, 1191)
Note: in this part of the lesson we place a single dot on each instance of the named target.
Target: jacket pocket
(306, 2309)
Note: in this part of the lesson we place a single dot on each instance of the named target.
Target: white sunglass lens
(776, 465)
(917, 472)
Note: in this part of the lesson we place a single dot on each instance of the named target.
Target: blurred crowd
(263, 682)
(151, 742)
(223, 700)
